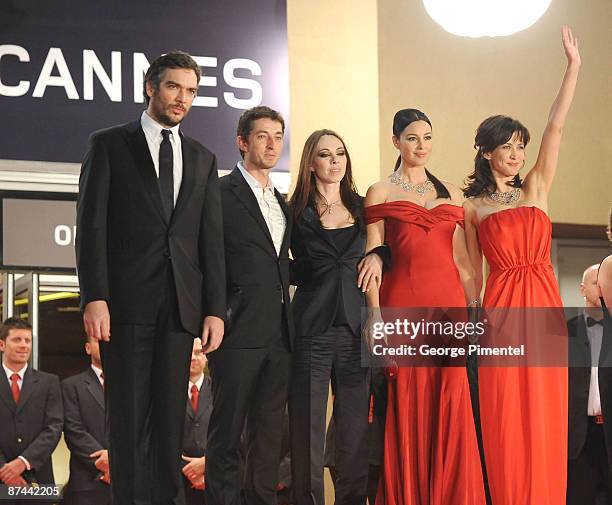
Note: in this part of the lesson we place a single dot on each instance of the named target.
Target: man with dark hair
(85, 434)
(152, 274)
(250, 371)
(30, 411)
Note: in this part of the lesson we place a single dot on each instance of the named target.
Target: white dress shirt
(270, 207)
(98, 373)
(595, 335)
(198, 384)
(21, 373)
(152, 130)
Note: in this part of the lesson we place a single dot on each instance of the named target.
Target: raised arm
(543, 172)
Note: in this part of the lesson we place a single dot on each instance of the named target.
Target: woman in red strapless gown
(430, 452)
(523, 410)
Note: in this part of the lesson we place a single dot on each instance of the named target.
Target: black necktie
(593, 322)
(166, 179)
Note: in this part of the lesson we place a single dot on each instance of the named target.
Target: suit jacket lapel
(30, 384)
(5, 392)
(244, 192)
(145, 166)
(288, 220)
(313, 221)
(189, 175)
(94, 387)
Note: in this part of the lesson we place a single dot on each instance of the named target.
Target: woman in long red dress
(431, 453)
(523, 409)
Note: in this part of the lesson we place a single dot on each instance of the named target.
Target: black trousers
(193, 496)
(336, 355)
(588, 476)
(146, 371)
(248, 385)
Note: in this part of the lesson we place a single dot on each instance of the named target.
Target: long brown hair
(306, 188)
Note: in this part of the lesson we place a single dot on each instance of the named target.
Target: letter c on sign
(23, 86)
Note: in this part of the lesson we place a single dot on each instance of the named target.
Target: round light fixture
(485, 18)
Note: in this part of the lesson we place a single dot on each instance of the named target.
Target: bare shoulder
(377, 193)
(470, 206)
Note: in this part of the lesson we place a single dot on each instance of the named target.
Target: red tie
(195, 396)
(15, 387)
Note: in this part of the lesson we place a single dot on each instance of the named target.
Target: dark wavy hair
(492, 133)
(306, 187)
(173, 59)
(401, 120)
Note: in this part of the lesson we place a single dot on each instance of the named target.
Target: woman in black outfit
(328, 246)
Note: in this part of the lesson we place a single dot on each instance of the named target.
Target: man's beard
(164, 118)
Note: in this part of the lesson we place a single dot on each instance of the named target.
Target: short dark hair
(245, 123)
(13, 323)
(492, 133)
(173, 59)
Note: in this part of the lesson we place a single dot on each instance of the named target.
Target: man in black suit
(199, 408)
(30, 412)
(152, 274)
(85, 434)
(589, 477)
(250, 371)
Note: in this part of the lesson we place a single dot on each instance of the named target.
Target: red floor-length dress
(523, 410)
(431, 453)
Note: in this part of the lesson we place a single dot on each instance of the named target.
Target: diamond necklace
(506, 197)
(419, 189)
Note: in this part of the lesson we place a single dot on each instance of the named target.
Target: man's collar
(10, 372)
(251, 181)
(198, 382)
(153, 128)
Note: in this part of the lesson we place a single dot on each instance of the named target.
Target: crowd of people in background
(174, 261)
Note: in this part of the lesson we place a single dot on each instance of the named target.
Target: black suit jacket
(84, 429)
(257, 278)
(321, 272)
(579, 377)
(124, 242)
(33, 427)
(196, 423)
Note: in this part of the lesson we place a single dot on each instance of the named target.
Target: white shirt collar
(198, 383)
(98, 372)
(153, 129)
(9, 372)
(251, 181)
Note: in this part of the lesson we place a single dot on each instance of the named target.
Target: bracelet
(474, 303)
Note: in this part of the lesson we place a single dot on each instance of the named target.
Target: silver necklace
(419, 189)
(506, 197)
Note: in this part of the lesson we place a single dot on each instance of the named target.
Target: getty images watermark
(413, 330)
(440, 336)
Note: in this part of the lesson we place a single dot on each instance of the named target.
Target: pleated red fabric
(431, 453)
(523, 410)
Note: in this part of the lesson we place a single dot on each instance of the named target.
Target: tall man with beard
(250, 371)
(152, 277)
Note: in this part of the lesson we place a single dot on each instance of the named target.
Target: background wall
(353, 64)
(460, 81)
(333, 77)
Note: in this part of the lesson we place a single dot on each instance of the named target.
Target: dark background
(55, 128)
